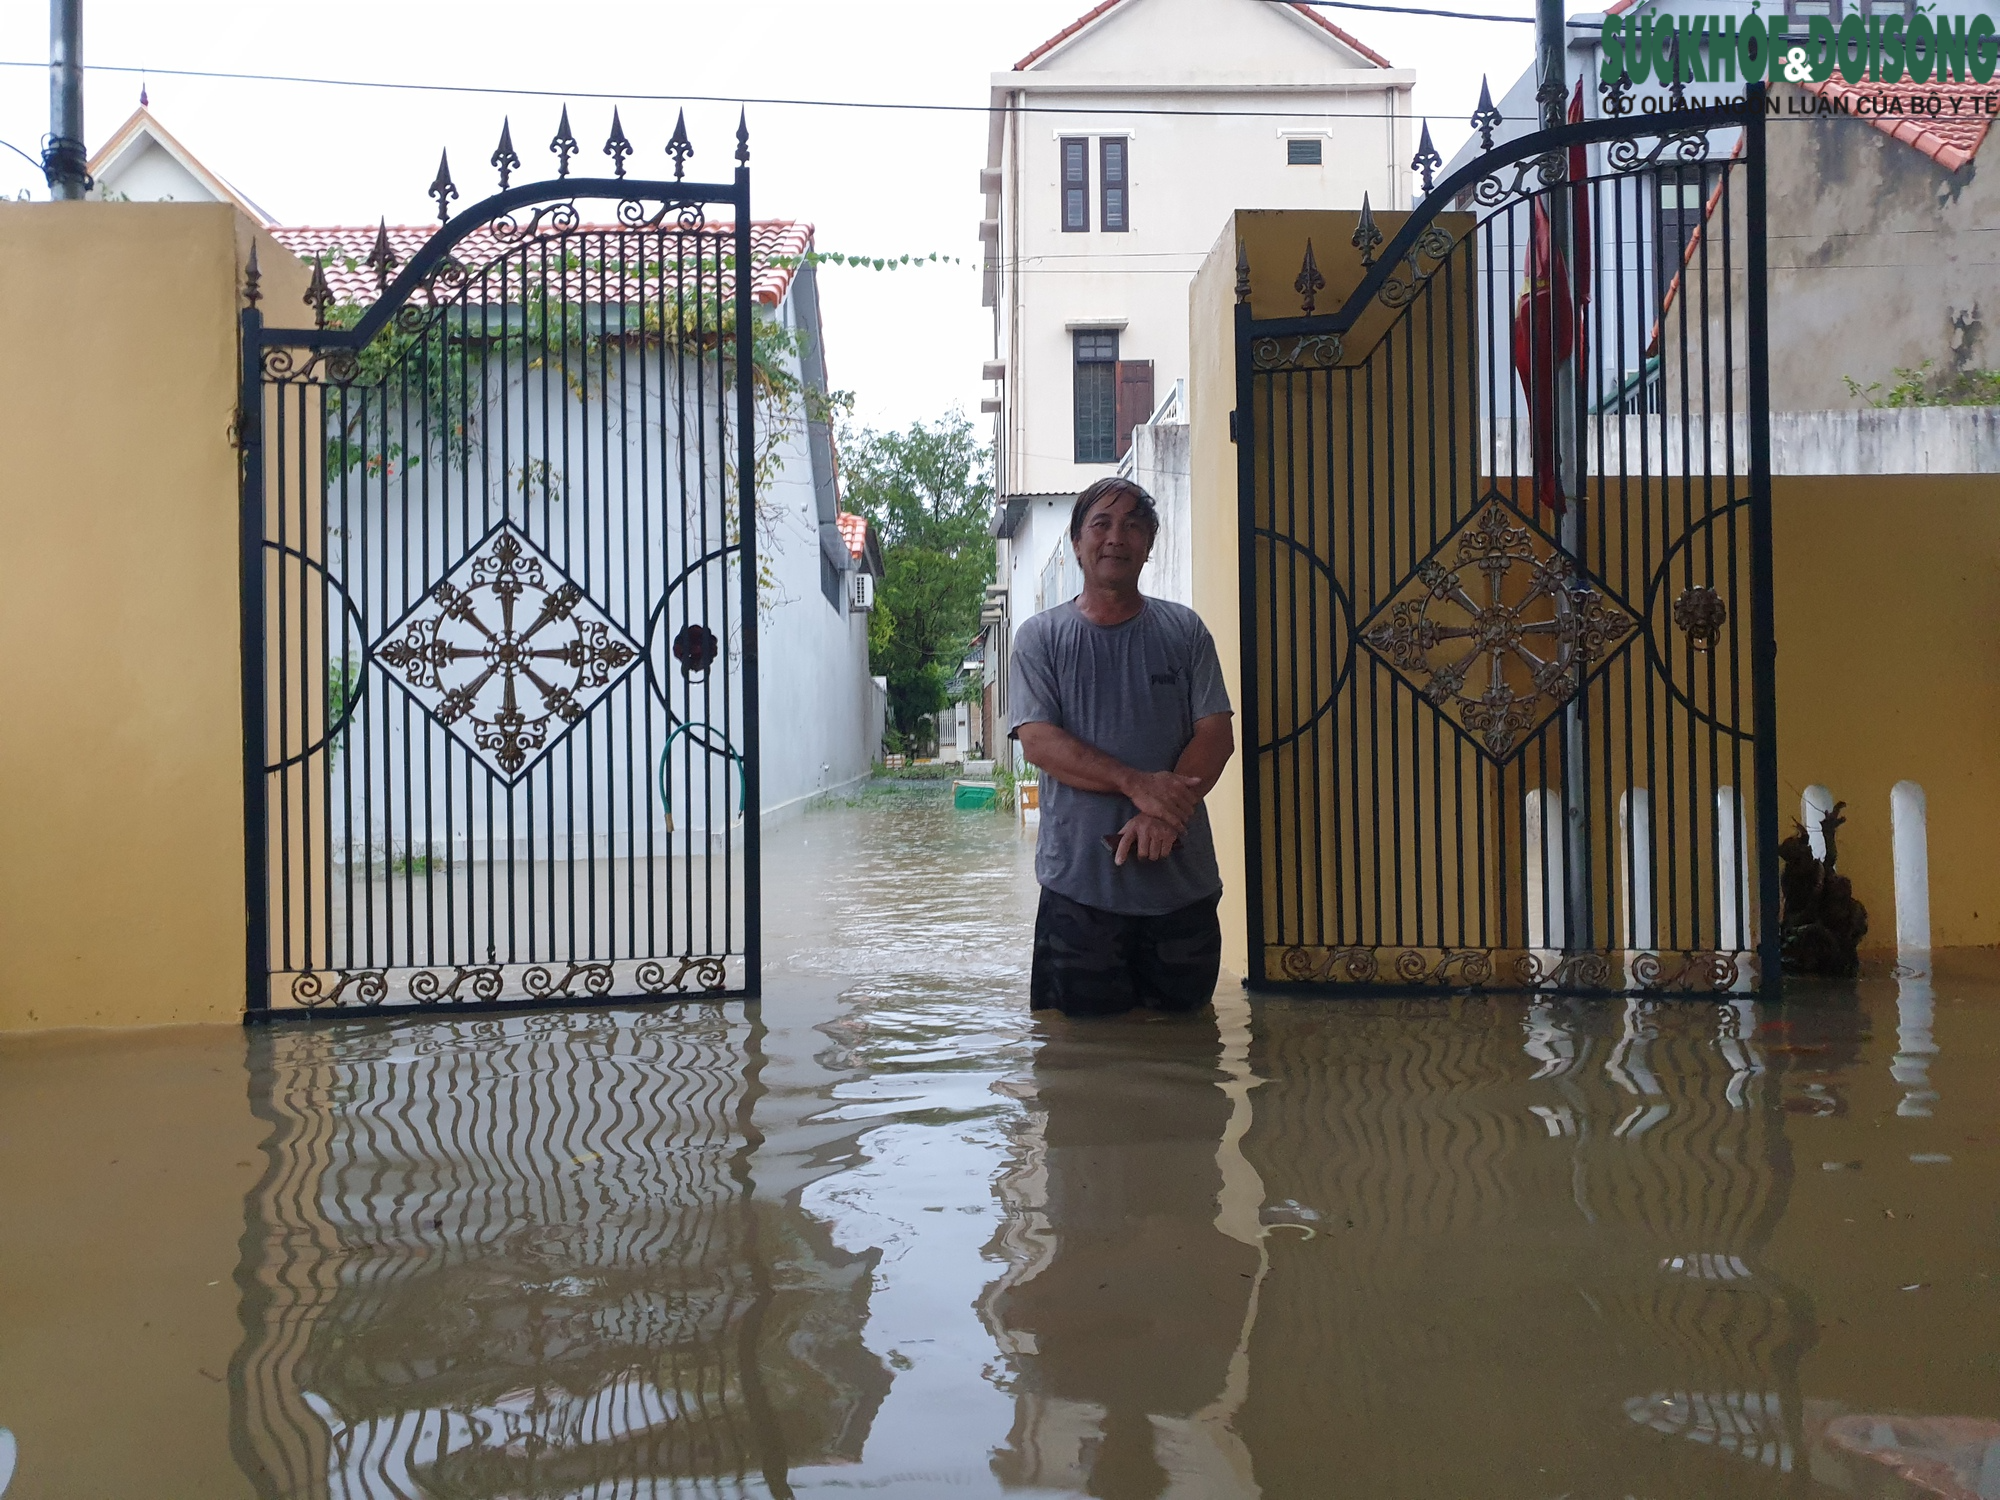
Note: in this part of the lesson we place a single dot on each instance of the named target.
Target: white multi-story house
(1116, 151)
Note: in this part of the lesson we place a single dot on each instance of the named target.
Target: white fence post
(1814, 804)
(1548, 885)
(1732, 872)
(1910, 849)
(1635, 867)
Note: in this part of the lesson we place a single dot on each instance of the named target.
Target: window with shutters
(1096, 395)
(1302, 152)
(1075, 185)
(1114, 172)
(1683, 205)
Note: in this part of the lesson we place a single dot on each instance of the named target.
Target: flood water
(886, 1234)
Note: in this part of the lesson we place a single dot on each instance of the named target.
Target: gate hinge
(1232, 428)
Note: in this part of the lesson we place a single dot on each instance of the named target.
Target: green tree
(928, 493)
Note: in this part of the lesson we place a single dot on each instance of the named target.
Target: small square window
(1302, 153)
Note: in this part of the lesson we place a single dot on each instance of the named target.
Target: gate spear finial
(1242, 272)
(743, 136)
(564, 145)
(443, 189)
(1367, 238)
(382, 260)
(252, 279)
(616, 146)
(679, 147)
(1310, 283)
(1427, 159)
(503, 155)
(318, 295)
(1486, 118)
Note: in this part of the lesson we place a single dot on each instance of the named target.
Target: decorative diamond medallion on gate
(1498, 628)
(506, 652)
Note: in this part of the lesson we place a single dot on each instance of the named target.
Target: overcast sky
(875, 181)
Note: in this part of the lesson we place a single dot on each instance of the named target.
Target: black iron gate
(1506, 579)
(500, 606)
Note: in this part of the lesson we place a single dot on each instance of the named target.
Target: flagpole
(1552, 99)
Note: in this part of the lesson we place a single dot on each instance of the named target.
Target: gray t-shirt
(1134, 691)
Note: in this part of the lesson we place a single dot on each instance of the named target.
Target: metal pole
(1551, 100)
(1763, 602)
(252, 625)
(63, 159)
(746, 499)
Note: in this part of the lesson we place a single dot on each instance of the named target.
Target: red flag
(1549, 329)
(1544, 337)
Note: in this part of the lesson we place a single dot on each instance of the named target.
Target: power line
(33, 161)
(1408, 10)
(740, 99)
(1415, 10)
(1421, 11)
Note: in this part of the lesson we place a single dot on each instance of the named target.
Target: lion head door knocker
(695, 648)
(1701, 613)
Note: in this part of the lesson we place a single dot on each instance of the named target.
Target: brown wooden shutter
(1135, 398)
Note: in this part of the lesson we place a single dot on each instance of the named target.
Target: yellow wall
(121, 825)
(1889, 670)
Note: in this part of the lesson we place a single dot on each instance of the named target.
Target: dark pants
(1098, 963)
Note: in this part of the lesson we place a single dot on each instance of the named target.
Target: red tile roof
(1084, 20)
(1950, 140)
(854, 532)
(585, 264)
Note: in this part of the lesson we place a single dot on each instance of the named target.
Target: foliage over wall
(929, 493)
(1919, 387)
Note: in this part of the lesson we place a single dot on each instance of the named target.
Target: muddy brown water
(886, 1234)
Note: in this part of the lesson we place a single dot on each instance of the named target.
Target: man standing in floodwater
(1119, 699)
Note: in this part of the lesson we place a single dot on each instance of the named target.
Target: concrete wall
(814, 692)
(1880, 259)
(121, 785)
(1160, 466)
(1211, 397)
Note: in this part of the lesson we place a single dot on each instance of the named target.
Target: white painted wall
(1160, 467)
(149, 175)
(816, 699)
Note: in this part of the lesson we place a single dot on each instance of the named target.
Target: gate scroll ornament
(1526, 610)
(506, 653)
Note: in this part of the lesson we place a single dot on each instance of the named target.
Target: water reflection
(1491, 1247)
(1911, 1066)
(525, 1255)
(1126, 1316)
(1563, 1253)
(1457, 1248)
